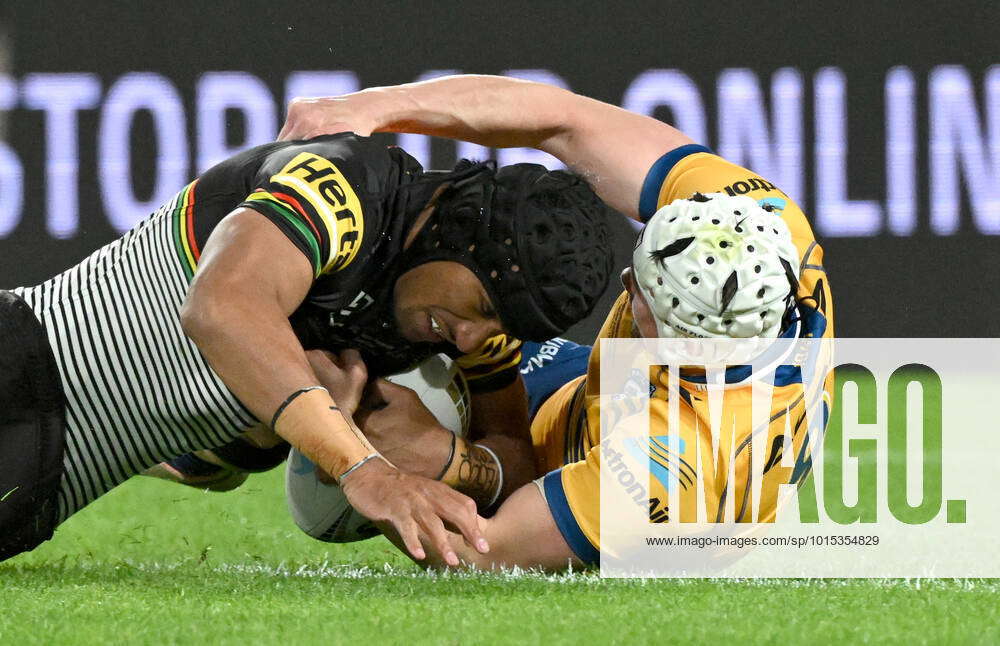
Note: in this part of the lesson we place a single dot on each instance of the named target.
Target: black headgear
(538, 240)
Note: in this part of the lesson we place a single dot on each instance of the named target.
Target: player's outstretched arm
(250, 280)
(522, 534)
(613, 148)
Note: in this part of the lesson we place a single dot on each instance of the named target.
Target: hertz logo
(326, 189)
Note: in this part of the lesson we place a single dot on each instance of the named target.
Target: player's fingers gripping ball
(717, 266)
(320, 508)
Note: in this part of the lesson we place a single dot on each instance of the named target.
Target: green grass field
(156, 563)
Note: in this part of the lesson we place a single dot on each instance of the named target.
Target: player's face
(444, 301)
(641, 314)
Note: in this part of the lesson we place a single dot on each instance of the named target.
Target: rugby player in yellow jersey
(684, 282)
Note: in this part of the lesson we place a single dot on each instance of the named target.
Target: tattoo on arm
(475, 471)
(478, 471)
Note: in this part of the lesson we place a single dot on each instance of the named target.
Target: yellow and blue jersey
(566, 431)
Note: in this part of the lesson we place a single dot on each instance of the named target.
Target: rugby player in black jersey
(213, 316)
(724, 254)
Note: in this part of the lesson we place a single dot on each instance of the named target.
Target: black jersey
(347, 203)
(137, 389)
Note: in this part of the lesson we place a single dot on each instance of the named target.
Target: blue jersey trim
(555, 495)
(813, 326)
(658, 173)
(546, 367)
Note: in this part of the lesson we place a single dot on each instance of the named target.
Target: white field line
(329, 570)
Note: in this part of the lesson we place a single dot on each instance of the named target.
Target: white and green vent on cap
(716, 265)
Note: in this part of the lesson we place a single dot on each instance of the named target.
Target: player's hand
(417, 509)
(312, 117)
(344, 375)
(398, 424)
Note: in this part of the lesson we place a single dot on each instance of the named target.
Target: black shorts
(32, 429)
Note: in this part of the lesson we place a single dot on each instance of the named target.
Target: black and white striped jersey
(138, 390)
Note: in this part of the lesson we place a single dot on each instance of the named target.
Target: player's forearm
(522, 534)
(242, 333)
(516, 459)
(612, 147)
(488, 110)
(473, 470)
(487, 470)
(500, 424)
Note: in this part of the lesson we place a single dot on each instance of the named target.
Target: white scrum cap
(717, 266)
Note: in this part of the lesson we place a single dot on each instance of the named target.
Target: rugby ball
(321, 510)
